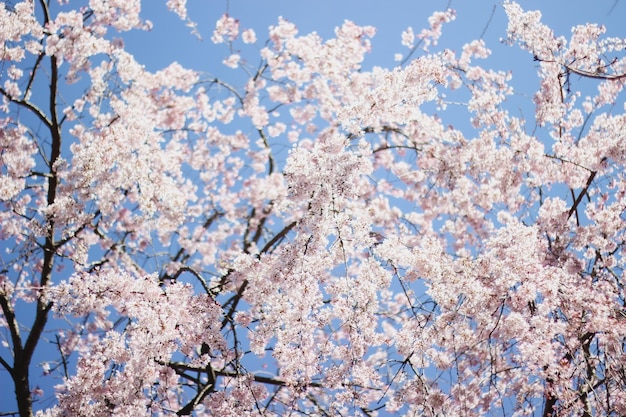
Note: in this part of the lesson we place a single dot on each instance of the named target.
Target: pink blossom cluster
(160, 322)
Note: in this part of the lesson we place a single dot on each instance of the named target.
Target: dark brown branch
(202, 392)
(33, 72)
(23, 357)
(181, 366)
(574, 208)
(259, 229)
(278, 237)
(234, 301)
(188, 409)
(576, 211)
(28, 105)
(549, 408)
(270, 157)
(64, 363)
(195, 274)
(246, 233)
(9, 316)
(6, 366)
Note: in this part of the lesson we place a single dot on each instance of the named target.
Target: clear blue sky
(170, 40)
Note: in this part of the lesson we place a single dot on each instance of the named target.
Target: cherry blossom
(226, 29)
(320, 237)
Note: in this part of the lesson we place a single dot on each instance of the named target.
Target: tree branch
(596, 75)
(574, 207)
(9, 316)
(28, 105)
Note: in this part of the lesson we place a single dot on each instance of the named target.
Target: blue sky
(171, 40)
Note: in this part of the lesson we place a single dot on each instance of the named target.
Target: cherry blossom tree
(319, 239)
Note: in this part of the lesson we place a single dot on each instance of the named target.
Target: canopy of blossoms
(317, 240)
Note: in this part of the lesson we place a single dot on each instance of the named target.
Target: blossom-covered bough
(318, 240)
